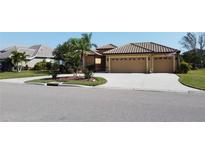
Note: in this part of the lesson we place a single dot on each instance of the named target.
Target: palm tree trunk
(83, 62)
(82, 59)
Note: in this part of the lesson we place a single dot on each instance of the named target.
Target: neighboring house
(135, 58)
(35, 53)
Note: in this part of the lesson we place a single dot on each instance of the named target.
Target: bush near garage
(184, 67)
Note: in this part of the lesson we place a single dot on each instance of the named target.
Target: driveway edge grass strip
(188, 85)
(194, 79)
(99, 81)
(23, 74)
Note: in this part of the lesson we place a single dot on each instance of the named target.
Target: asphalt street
(35, 103)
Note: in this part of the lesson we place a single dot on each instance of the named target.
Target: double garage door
(138, 65)
(128, 65)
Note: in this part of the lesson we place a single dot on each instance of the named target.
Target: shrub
(66, 69)
(43, 65)
(6, 65)
(184, 67)
(91, 67)
(55, 70)
(88, 74)
(26, 67)
(194, 68)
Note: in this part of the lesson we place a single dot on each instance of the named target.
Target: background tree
(201, 41)
(195, 44)
(18, 59)
(189, 41)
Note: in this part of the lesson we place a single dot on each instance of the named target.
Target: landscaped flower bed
(77, 80)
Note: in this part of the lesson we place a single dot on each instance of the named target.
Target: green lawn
(195, 78)
(98, 81)
(9, 75)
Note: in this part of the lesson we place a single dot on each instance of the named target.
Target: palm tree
(86, 45)
(17, 59)
(83, 45)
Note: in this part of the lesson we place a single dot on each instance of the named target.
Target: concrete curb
(41, 84)
(75, 85)
(60, 84)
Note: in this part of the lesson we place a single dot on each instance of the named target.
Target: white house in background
(35, 53)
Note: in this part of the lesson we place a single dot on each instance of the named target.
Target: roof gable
(31, 52)
(143, 47)
(107, 46)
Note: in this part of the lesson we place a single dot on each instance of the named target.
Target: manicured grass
(9, 75)
(98, 81)
(195, 79)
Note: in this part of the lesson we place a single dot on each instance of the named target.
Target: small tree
(73, 60)
(17, 59)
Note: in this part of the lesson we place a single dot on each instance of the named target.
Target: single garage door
(128, 65)
(163, 65)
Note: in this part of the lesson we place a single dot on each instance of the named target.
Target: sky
(52, 39)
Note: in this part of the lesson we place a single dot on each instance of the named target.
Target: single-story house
(142, 57)
(35, 53)
(97, 58)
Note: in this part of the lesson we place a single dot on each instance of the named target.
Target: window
(97, 60)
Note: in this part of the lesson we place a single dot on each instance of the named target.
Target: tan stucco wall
(151, 62)
(89, 60)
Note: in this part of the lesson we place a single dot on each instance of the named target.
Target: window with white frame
(97, 60)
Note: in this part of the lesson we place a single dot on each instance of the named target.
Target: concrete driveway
(141, 81)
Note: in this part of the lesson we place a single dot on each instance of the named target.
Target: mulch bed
(79, 78)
